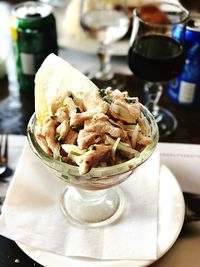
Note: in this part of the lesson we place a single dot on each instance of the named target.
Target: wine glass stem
(105, 73)
(153, 92)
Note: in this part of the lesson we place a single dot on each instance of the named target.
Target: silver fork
(3, 153)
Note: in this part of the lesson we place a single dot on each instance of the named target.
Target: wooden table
(16, 107)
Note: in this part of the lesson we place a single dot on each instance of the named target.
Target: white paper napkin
(184, 161)
(31, 215)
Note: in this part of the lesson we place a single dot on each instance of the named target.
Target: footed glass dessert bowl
(93, 199)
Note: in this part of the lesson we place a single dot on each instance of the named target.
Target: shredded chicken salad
(99, 128)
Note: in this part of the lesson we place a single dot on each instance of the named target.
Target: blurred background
(81, 50)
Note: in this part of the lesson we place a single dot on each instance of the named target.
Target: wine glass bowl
(92, 199)
(106, 22)
(156, 55)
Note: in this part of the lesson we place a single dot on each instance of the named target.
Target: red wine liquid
(156, 58)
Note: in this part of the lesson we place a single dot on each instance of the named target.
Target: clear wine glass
(93, 199)
(156, 55)
(55, 3)
(106, 21)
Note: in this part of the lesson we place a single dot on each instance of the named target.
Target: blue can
(185, 89)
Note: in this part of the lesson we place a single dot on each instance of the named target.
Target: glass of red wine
(156, 55)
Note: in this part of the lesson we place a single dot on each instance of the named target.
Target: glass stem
(92, 207)
(91, 195)
(153, 92)
(105, 73)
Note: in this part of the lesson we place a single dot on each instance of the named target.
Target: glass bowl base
(92, 208)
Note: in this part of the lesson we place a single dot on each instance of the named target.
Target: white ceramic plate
(170, 221)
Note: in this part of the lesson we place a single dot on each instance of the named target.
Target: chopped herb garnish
(102, 92)
(75, 153)
(92, 147)
(107, 99)
(104, 96)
